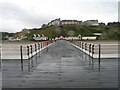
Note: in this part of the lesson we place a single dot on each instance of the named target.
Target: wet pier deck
(61, 66)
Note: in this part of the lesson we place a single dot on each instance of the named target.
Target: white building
(25, 30)
(55, 22)
(39, 37)
(91, 22)
(72, 38)
(59, 22)
(70, 22)
(89, 38)
(82, 38)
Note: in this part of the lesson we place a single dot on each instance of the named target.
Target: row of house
(113, 24)
(59, 22)
(76, 38)
(91, 22)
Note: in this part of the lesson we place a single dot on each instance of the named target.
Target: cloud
(16, 17)
(18, 14)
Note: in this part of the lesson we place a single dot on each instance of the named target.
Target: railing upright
(99, 56)
(28, 58)
(92, 54)
(21, 52)
(36, 52)
(39, 49)
(41, 45)
(89, 49)
(36, 49)
(82, 45)
(85, 46)
(31, 55)
(93, 50)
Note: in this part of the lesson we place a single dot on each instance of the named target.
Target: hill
(108, 32)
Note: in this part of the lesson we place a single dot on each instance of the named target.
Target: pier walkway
(61, 65)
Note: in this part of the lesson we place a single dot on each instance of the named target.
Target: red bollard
(46, 43)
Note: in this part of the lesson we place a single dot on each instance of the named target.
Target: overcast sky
(18, 14)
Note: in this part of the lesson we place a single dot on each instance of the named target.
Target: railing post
(89, 53)
(85, 46)
(21, 52)
(28, 58)
(31, 55)
(82, 45)
(28, 52)
(92, 53)
(36, 49)
(41, 45)
(31, 50)
(39, 48)
(92, 50)
(99, 56)
(89, 49)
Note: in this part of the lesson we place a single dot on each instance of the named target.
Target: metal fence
(29, 51)
(98, 51)
(105, 50)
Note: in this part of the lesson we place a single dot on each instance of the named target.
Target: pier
(60, 65)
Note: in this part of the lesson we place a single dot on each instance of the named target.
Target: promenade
(61, 65)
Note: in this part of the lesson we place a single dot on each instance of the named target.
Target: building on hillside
(22, 34)
(39, 37)
(70, 22)
(44, 26)
(113, 24)
(72, 38)
(79, 22)
(59, 22)
(102, 24)
(14, 39)
(55, 22)
(91, 22)
(89, 38)
(25, 30)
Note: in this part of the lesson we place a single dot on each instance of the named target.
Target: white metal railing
(97, 50)
(106, 50)
(23, 52)
(27, 52)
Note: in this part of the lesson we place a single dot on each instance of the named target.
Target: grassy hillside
(108, 32)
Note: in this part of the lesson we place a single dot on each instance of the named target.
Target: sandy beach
(12, 49)
(18, 42)
(102, 41)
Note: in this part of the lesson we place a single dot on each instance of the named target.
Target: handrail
(30, 51)
(97, 50)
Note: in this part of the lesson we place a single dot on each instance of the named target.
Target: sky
(18, 14)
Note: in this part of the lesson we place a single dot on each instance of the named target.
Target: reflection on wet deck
(61, 66)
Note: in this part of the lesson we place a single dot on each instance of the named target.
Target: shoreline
(102, 41)
(18, 42)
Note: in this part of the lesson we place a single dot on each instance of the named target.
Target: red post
(46, 42)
